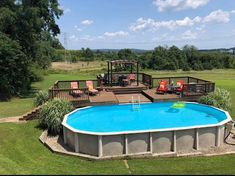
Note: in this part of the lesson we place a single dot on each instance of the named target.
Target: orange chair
(91, 89)
(77, 92)
(132, 77)
(179, 84)
(162, 88)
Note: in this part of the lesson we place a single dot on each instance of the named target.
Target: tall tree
(23, 23)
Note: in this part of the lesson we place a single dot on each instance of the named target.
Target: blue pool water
(150, 116)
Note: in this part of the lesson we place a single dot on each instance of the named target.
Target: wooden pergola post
(111, 74)
(108, 73)
(137, 75)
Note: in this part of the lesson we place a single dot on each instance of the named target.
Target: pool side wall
(155, 143)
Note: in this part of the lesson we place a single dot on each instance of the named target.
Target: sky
(146, 24)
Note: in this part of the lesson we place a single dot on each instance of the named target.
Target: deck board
(103, 98)
(151, 93)
(127, 98)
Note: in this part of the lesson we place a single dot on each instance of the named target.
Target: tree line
(28, 45)
(161, 58)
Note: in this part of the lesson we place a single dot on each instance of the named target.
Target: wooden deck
(127, 98)
(103, 97)
(154, 97)
(107, 97)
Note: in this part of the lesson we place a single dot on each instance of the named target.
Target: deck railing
(63, 90)
(147, 80)
(197, 89)
(192, 86)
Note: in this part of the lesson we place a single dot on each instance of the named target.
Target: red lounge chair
(132, 77)
(74, 85)
(180, 85)
(162, 88)
(91, 89)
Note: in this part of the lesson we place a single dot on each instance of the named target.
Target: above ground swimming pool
(149, 128)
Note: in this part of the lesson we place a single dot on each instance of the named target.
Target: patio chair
(162, 88)
(179, 87)
(132, 77)
(77, 92)
(91, 89)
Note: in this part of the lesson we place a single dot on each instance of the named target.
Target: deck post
(108, 74)
(137, 73)
(111, 75)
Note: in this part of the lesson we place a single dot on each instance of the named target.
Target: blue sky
(145, 24)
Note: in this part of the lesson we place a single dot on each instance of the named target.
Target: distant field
(81, 66)
(18, 106)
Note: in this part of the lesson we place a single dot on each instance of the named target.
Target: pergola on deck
(121, 63)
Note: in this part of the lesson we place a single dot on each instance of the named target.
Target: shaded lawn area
(19, 106)
(22, 153)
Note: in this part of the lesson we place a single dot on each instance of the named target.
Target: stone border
(60, 148)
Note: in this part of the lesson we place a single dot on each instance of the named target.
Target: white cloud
(177, 5)
(77, 28)
(189, 35)
(218, 16)
(142, 24)
(151, 24)
(65, 9)
(161, 37)
(73, 38)
(87, 38)
(114, 34)
(87, 22)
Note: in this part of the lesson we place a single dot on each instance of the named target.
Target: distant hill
(222, 50)
(116, 50)
(139, 51)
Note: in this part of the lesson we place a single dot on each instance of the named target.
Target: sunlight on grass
(18, 106)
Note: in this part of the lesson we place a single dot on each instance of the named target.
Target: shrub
(220, 98)
(41, 98)
(52, 115)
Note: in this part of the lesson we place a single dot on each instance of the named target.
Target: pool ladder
(135, 103)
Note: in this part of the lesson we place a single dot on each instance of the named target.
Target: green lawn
(19, 106)
(22, 153)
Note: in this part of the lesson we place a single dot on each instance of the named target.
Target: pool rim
(64, 123)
